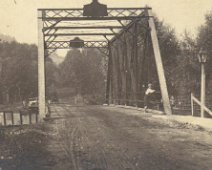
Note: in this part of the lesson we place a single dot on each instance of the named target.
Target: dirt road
(105, 138)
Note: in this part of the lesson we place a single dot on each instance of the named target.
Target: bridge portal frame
(53, 24)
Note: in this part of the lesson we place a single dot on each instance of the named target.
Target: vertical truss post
(41, 67)
(118, 69)
(122, 74)
(108, 86)
(125, 71)
(115, 77)
(111, 85)
(128, 70)
(159, 64)
(134, 65)
(130, 67)
(120, 81)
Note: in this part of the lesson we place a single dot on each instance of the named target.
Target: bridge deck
(105, 138)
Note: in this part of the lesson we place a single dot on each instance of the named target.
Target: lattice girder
(49, 14)
(66, 44)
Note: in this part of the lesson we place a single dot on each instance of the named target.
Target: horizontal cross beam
(72, 13)
(90, 18)
(80, 9)
(79, 34)
(83, 27)
(66, 44)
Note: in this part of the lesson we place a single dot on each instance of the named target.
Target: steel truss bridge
(124, 36)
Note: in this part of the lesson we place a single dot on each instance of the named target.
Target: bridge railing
(181, 106)
(17, 118)
(155, 104)
(195, 100)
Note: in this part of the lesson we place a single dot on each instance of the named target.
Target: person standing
(148, 96)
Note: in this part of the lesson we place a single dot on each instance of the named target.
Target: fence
(23, 117)
(195, 100)
(181, 106)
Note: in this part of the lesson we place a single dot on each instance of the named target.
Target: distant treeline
(84, 73)
(18, 71)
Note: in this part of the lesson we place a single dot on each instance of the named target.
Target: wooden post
(204, 107)
(159, 64)
(21, 118)
(192, 105)
(202, 89)
(12, 117)
(41, 67)
(4, 116)
(30, 117)
(36, 117)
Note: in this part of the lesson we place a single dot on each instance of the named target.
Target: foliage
(204, 40)
(169, 44)
(18, 65)
(83, 72)
(186, 74)
(170, 50)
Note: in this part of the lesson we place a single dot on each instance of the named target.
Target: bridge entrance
(127, 36)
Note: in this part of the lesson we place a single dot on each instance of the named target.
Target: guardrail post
(30, 118)
(21, 119)
(200, 104)
(4, 117)
(12, 117)
(192, 105)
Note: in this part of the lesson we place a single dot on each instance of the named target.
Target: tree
(19, 71)
(186, 73)
(170, 50)
(204, 40)
(83, 72)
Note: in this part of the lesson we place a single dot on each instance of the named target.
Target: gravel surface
(106, 138)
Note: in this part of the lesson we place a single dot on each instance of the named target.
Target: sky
(18, 18)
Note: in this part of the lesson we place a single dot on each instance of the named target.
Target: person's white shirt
(149, 91)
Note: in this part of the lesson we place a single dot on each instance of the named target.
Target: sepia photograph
(106, 85)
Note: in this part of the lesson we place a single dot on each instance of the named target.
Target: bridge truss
(56, 27)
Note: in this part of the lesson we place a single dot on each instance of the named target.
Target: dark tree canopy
(204, 40)
(83, 72)
(19, 77)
